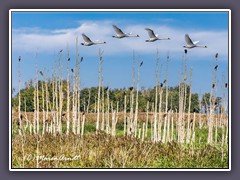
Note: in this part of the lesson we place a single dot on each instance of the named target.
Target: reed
(136, 104)
(212, 102)
(147, 118)
(108, 111)
(19, 96)
(68, 93)
(125, 114)
(99, 87)
(132, 95)
(156, 98)
(189, 109)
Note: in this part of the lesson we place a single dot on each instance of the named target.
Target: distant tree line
(115, 95)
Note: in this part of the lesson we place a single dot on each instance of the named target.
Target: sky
(46, 33)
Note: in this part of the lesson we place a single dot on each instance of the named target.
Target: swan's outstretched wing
(150, 33)
(188, 40)
(117, 30)
(196, 42)
(86, 39)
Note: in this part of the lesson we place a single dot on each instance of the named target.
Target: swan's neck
(100, 43)
(130, 35)
(201, 46)
(164, 38)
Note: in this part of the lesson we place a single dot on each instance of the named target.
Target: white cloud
(26, 39)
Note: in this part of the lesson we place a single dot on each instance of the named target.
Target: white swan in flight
(89, 42)
(191, 44)
(153, 37)
(120, 34)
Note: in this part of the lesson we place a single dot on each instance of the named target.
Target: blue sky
(48, 32)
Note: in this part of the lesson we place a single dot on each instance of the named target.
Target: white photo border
(118, 10)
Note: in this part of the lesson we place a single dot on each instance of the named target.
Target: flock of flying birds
(152, 37)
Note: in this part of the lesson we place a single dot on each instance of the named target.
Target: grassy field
(101, 150)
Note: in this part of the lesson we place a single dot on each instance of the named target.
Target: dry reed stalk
(179, 112)
(26, 117)
(79, 123)
(224, 117)
(102, 99)
(212, 104)
(53, 122)
(78, 89)
(125, 114)
(193, 127)
(184, 98)
(108, 110)
(132, 93)
(189, 108)
(43, 107)
(74, 106)
(37, 107)
(185, 76)
(95, 105)
(57, 103)
(78, 109)
(146, 131)
(113, 123)
(166, 100)
(131, 109)
(83, 124)
(159, 126)
(117, 112)
(52, 126)
(19, 96)
(30, 129)
(89, 98)
(168, 127)
(68, 94)
(152, 118)
(99, 89)
(60, 93)
(136, 107)
(160, 115)
(172, 129)
(156, 99)
(210, 123)
(216, 130)
(200, 114)
(181, 127)
(223, 136)
(75, 102)
(226, 135)
(47, 100)
(103, 108)
(143, 131)
(164, 129)
(178, 123)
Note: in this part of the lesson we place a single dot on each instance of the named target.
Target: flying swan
(153, 37)
(89, 42)
(120, 34)
(191, 44)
